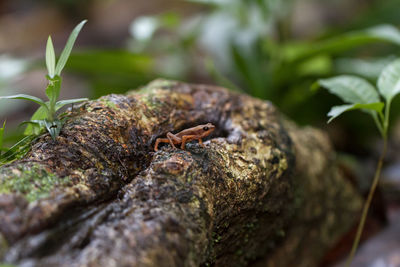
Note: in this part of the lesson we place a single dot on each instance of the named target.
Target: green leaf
(17, 150)
(370, 108)
(1, 135)
(62, 103)
(50, 58)
(219, 77)
(53, 89)
(249, 69)
(368, 68)
(315, 66)
(37, 126)
(340, 43)
(351, 89)
(68, 48)
(389, 80)
(26, 97)
(40, 114)
(53, 127)
(385, 32)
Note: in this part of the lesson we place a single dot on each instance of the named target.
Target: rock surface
(262, 191)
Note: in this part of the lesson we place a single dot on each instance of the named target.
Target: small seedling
(45, 116)
(360, 94)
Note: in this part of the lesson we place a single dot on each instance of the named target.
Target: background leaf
(351, 89)
(385, 32)
(68, 48)
(369, 68)
(370, 108)
(389, 80)
(341, 43)
(119, 70)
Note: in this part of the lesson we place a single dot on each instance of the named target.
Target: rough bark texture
(262, 191)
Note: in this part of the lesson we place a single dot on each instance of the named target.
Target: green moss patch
(109, 103)
(33, 182)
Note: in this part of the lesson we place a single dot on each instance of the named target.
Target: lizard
(187, 135)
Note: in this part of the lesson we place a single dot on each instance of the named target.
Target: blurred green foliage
(250, 46)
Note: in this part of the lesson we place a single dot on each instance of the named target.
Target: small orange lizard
(187, 135)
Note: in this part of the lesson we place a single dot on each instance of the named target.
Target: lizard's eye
(205, 128)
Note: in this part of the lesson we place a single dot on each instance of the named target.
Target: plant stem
(367, 203)
(386, 121)
(50, 116)
(378, 124)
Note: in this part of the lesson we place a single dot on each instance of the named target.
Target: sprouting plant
(360, 94)
(46, 116)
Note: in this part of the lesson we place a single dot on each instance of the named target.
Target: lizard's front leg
(187, 138)
(201, 143)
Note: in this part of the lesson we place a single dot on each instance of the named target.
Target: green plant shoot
(45, 116)
(359, 94)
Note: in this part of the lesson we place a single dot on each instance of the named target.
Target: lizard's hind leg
(173, 139)
(158, 141)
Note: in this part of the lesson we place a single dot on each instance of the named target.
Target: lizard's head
(207, 129)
